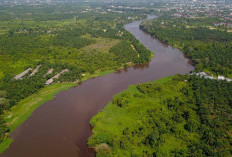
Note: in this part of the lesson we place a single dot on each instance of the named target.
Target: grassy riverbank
(96, 74)
(19, 113)
(86, 53)
(53, 39)
(175, 116)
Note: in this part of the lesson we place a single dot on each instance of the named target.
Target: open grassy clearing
(101, 45)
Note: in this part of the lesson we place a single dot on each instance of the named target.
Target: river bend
(60, 127)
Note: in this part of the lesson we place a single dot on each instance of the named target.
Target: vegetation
(86, 40)
(177, 116)
(209, 49)
(4, 103)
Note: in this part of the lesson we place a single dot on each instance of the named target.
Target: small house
(221, 77)
(20, 76)
(48, 82)
(35, 70)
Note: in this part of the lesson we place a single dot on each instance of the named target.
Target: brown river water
(60, 127)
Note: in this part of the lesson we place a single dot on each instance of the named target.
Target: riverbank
(207, 49)
(20, 112)
(123, 116)
(71, 121)
(166, 118)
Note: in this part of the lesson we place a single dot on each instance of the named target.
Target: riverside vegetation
(181, 115)
(209, 48)
(176, 116)
(86, 40)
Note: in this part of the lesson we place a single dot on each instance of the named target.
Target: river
(60, 127)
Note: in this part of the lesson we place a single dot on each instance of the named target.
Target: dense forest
(176, 116)
(85, 40)
(209, 47)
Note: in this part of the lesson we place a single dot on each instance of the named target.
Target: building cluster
(207, 76)
(21, 75)
(33, 72)
(199, 8)
(223, 24)
(51, 80)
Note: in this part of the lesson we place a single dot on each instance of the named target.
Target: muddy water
(60, 127)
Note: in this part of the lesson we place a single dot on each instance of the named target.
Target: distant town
(181, 8)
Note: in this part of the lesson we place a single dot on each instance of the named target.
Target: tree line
(210, 50)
